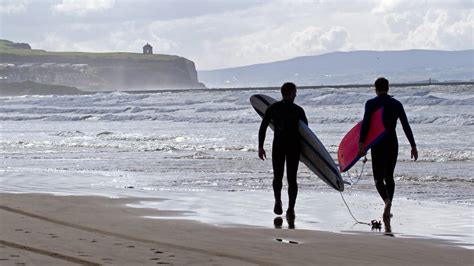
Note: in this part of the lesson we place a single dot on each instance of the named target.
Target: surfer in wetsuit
(385, 152)
(285, 116)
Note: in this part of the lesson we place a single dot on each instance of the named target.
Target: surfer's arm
(364, 130)
(406, 127)
(261, 135)
(263, 129)
(408, 133)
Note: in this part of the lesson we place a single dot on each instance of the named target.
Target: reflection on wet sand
(278, 223)
(388, 226)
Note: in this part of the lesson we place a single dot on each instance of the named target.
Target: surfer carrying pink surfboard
(385, 151)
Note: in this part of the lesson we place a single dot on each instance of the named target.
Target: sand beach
(43, 229)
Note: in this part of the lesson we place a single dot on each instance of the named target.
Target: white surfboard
(313, 153)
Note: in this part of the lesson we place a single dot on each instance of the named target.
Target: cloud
(384, 6)
(403, 22)
(13, 6)
(315, 40)
(334, 39)
(435, 28)
(442, 30)
(81, 7)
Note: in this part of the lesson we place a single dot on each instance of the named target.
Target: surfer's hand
(261, 154)
(361, 150)
(414, 153)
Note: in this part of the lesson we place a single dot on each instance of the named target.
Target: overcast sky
(218, 34)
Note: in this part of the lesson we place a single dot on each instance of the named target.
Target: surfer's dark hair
(287, 89)
(381, 84)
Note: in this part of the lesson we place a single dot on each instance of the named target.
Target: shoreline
(42, 228)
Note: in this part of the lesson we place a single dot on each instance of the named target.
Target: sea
(197, 150)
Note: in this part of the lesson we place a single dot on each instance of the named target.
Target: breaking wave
(231, 106)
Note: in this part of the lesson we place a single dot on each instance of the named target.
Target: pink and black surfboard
(347, 153)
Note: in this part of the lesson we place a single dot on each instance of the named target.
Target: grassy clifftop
(95, 71)
(9, 48)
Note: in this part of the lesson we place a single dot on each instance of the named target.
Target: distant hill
(95, 71)
(356, 67)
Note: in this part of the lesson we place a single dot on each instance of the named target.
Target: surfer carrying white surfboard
(385, 151)
(285, 116)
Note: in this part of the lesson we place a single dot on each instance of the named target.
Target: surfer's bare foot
(290, 214)
(278, 209)
(388, 207)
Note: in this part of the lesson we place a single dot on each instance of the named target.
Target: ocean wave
(457, 95)
(456, 119)
(446, 156)
(434, 178)
(219, 109)
(433, 100)
(98, 99)
(231, 106)
(231, 117)
(68, 134)
(86, 110)
(414, 99)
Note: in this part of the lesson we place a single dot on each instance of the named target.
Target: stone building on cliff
(147, 49)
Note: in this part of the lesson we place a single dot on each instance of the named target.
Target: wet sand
(43, 229)
(321, 211)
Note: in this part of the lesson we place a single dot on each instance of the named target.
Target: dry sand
(41, 229)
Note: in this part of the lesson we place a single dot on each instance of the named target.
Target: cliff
(96, 71)
(33, 88)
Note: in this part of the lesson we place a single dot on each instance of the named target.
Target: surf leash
(358, 175)
(350, 212)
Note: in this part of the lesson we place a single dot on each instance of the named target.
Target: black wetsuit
(385, 152)
(285, 116)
